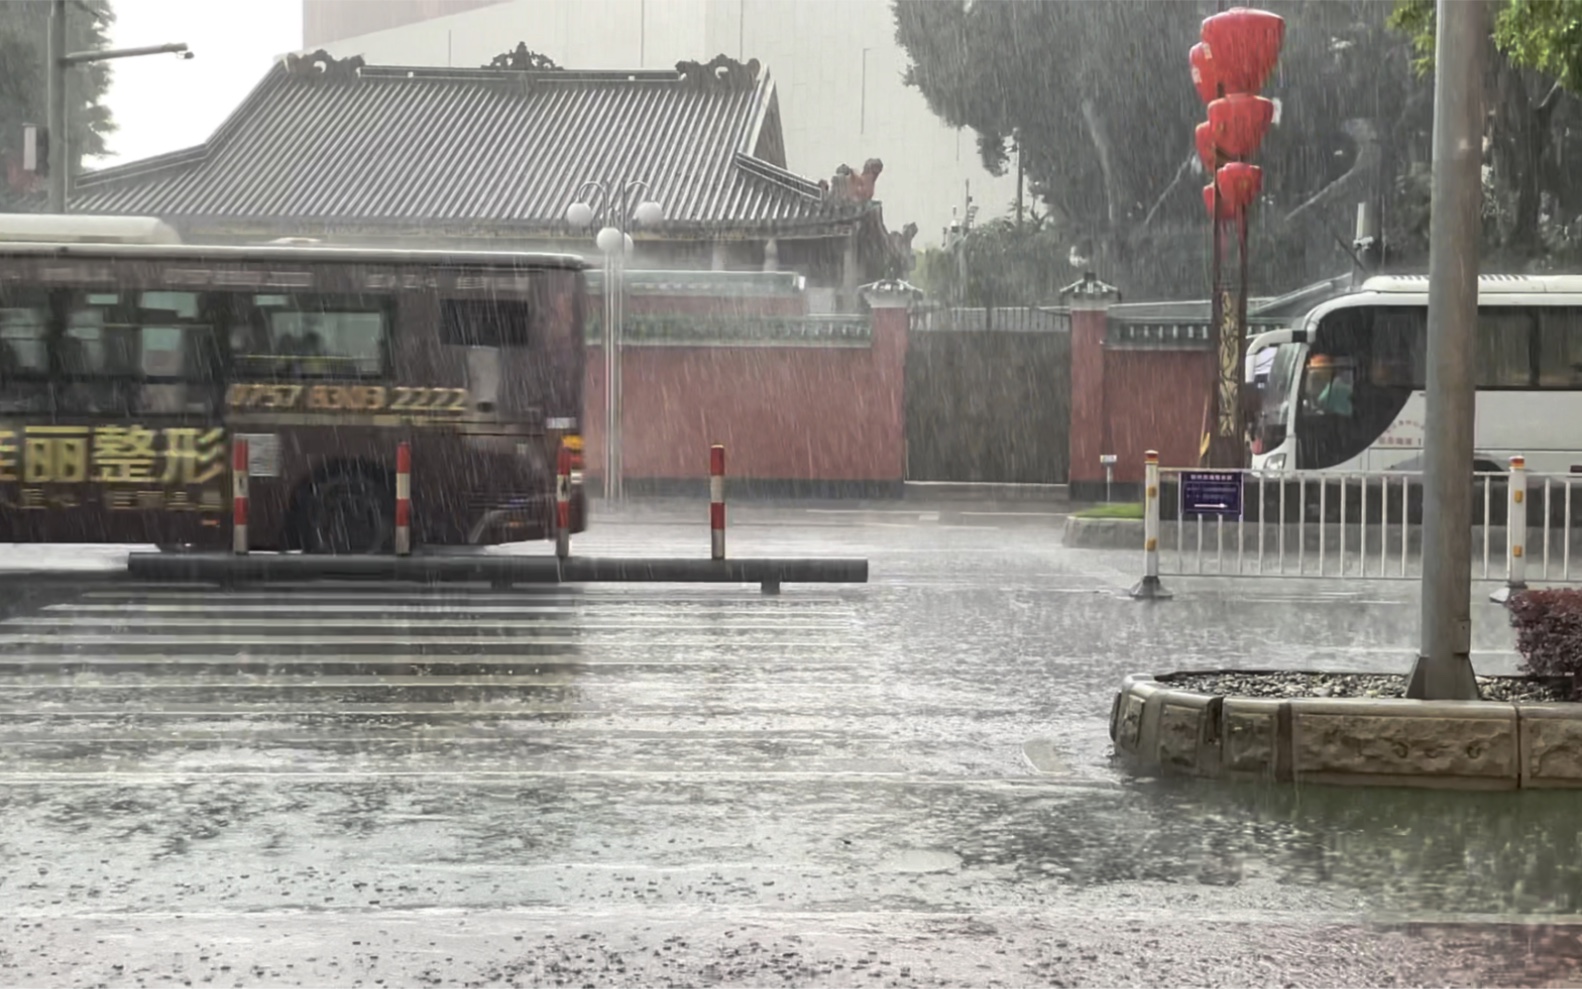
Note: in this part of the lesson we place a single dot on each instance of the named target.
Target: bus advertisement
(127, 371)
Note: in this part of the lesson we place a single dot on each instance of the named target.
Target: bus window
(1560, 348)
(97, 356)
(309, 336)
(24, 354)
(486, 323)
(135, 353)
(23, 334)
(179, 358)
(1504, 349)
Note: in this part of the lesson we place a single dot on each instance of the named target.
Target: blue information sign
(1211, 492)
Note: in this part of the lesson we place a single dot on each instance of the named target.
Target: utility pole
(59, 149)
(55, 87)
(1444, 666)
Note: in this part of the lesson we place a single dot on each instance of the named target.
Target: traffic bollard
(1149, 589)
(717, 500)
(403, 505)
(239, 495)
(563, 502)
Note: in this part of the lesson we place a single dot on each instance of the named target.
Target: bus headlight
(1275, 462)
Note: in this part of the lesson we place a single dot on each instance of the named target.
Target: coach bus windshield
(1274, 398)
(1359, 371)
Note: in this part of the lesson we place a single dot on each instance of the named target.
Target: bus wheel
(347, 514)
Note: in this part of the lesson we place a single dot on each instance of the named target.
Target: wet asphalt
(903, 783)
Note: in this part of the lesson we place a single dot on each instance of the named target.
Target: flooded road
(903, 783)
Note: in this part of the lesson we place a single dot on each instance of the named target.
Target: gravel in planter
(1290, 685)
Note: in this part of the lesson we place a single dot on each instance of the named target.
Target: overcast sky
(162, 103)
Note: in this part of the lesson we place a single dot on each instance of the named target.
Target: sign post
(1108, 460)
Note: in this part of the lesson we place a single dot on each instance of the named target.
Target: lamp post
(610, 204)
(55, 79)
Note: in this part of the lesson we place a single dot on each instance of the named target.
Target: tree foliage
(1099, 98)
(1000, 263)
(24, 47)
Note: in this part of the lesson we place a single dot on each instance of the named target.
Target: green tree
(1534, 77)
(24, 46)
(1100, 98)
(1000, 263)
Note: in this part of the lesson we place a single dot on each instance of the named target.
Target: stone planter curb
(1472, 745)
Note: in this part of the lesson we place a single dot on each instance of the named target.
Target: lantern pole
(1217, 456)
(1241, 341)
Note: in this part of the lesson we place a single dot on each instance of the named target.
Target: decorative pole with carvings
(1234, 59)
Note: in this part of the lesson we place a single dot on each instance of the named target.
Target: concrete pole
(55, 85)
(1444, 668)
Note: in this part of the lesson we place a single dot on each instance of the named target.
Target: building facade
(351, 153)
(836, 62)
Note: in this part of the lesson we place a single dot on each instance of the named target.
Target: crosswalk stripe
(414, 620)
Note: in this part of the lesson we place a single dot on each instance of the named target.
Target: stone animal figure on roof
(900, 259)
(323, 63)
(721, 70)
(853, 187)
(522, 60)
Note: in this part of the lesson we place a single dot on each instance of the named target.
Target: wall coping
(891, 294)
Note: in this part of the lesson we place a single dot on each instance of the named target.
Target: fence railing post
(563, 502)
(1149, 589)
(239, 495)
(1515, 533)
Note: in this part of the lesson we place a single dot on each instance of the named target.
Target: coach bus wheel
(347, 514)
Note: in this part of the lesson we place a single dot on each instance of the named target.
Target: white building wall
(832, 110)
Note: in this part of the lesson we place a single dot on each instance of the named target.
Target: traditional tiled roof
(347, 143)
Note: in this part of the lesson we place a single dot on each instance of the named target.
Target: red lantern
(1206, 151)
(1239, 122)
(1244, 45)
(1239, 184)
(1226, 214)
(1205, 74)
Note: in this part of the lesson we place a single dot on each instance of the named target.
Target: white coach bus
(1345, 388)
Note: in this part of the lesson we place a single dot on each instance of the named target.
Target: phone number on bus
(349, 398)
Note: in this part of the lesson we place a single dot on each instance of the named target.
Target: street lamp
(55, 80)
(613, 201)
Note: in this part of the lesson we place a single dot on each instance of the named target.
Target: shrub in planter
(1549, 630)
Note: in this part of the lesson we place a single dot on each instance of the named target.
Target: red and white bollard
(717, 500)
(563, 502)
(239, 495)
(403, 506)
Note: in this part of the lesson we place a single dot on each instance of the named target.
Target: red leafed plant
(1548, 630)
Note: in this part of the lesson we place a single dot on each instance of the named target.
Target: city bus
(128, 370)
(1346, 383)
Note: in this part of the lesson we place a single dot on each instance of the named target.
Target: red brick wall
(822, 414)
(1087, 394)
(1155, 400)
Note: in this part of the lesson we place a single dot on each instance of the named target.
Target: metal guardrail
(1359, 525)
